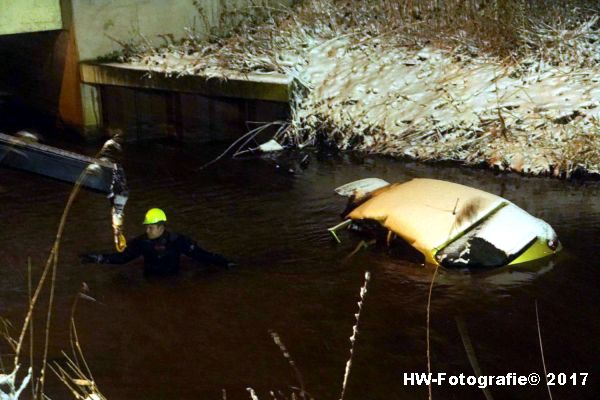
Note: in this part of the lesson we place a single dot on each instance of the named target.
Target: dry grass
(506, 83)
(300, 391)
(74, 375)
(539, 330)
(269, 37)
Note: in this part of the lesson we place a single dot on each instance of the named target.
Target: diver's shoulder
(139, 239)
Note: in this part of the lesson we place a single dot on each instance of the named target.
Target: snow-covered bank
(368, 78)
(532, 116)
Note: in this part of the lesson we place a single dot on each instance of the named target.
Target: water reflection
(458, 282)
(191, 336)
(496, 280)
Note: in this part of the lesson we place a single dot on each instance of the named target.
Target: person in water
(160, 248)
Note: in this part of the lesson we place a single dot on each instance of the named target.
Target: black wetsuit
(161, 255)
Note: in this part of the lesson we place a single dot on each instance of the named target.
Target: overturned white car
(450, 224)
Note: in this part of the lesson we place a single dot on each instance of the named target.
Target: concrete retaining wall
(29, 16)
(142, 114)
(43, 68)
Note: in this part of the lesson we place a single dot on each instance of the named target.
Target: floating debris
(270, 146)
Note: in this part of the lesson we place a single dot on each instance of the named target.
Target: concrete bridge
(49, 48)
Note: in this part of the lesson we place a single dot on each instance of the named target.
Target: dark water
(191, 336)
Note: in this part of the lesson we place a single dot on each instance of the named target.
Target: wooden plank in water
(54, 162)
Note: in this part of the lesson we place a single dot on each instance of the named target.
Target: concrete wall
(99, 22)
(43, 68)
(101, 25)
(143, 114)
(20, 16)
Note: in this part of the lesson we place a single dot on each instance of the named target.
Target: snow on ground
(431, 104)
(537, 114)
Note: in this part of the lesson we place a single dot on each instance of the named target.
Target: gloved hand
(91, 258)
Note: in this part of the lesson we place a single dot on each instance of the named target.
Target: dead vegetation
(506, 83)
(75, 374)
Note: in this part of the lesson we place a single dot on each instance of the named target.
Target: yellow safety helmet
(154, 216)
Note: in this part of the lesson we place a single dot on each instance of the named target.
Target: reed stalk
(428, 329)
(539, 330)
(362, 294)
(50, 268)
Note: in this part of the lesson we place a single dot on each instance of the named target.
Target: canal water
(206, 333)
